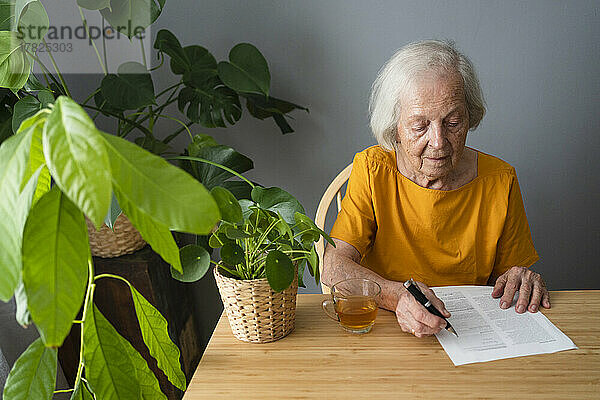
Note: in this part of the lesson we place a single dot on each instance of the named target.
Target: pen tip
(451, 329)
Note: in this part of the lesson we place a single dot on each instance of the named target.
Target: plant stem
(211, 163)
(140, 127)
(112, 276)
(64, 391)
(87, 29)
(89, 297)
(60, 77)
(143, 53)
(169, 88)
(90, 96)
(47, 71)
(104, 46)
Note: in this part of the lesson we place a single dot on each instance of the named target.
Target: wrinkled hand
(414, 318)
(531, 287)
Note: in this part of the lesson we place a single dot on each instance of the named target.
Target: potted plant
(207, 92)
(57, 168)
(265, 244)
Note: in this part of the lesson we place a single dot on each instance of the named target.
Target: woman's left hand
(531, 287)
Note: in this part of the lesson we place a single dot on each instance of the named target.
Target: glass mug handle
(327, 304)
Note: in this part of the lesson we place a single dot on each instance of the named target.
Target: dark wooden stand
(151, 276)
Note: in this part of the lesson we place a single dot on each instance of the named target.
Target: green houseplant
(56, 168)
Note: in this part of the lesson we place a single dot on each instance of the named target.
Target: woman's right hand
(414, 318)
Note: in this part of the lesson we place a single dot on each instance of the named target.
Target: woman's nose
(436, 136)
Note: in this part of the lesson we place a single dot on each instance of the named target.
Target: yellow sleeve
(515, 247)
(355, 223)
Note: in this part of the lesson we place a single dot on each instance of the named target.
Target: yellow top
(454, 237)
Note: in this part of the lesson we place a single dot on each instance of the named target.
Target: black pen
(413, 289)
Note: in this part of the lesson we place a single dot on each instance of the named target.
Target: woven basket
(124, 240)
(256, 313)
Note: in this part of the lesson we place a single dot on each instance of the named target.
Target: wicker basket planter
(125, 239)
(256, 313)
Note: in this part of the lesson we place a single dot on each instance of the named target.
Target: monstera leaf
(130, 88)
(205, 100)
(247, 70)
(270, 107)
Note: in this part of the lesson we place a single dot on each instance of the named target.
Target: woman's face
(433, 124)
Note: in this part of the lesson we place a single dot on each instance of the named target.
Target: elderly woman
(423, 205)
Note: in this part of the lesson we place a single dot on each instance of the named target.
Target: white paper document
(486, 332)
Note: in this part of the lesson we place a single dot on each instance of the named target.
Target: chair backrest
(333, 190)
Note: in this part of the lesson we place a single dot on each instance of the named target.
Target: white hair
(396, 76)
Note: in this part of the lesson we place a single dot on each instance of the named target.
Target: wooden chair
(333, 190)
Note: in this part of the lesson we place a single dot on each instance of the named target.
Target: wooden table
(320, 360)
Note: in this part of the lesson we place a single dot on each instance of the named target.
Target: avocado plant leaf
(113, 212)
(157, 234)
(172, 197)
(279, 270)
(195, 262)
(81, 392)
(137, 14)
(93, 4)
(15, 65)
(34, 374)
(77, 159)
(108, 365)
(22, 314)
(279, 201)
(55, 269)
(205, 100)
(14, 155)
(247, 70)
(228, 205)
(149, 385)
(36, 157)
(131, 88)
(154, 332)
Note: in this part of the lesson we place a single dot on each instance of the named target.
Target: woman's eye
(419, 128)
(453, 124)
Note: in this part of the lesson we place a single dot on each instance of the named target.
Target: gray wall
(538, 62)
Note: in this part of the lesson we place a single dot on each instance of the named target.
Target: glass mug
(353, 304)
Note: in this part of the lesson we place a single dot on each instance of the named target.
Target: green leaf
(301, 267)
(271, 107)
(36, 157)
(77, 159)
(108, 366)
(247, 70)
(210, 175)
(207, 101)
(154, 232)
(14, 63)
(228, 205)
(303, 223)
(197, 58)
(26, 107)
(93, 4)
(14, 154)
(277, 200)
(195, 261)
(279, 270)
(232, 254)
(22, 314)
(151, 144)
(148, 383)
(130, 89)
(55, 270)
(113, 212)
(154, 332)
(168, 43)
(218, 239)
(240, 189)
(33, 15)
(132, 13)
(34, 374)
(234, 233)
(158, 189)
(81, 392)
